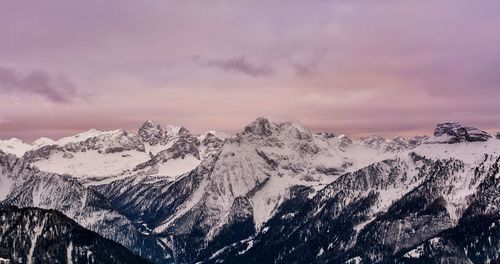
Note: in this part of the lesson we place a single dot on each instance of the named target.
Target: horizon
(358, 68)
(163, 126)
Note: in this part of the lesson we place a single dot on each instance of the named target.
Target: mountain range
(273, 193)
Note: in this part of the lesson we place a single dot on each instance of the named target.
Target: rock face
(151, 133)
(373, 141)
(395, 145)
(401, 143)
(345, 142)
(211, 144)
(260, 127)
(183, 148)
(113, 142)
(32, 235)
(497, 135)
(186, 144)
(452, 132)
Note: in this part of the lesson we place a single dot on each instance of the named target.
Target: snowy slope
(15, 146)
(252, 172)
(97, 157)
(30, 187)
(18, 147)
(416, 207)
(102, 156)
(213, 197)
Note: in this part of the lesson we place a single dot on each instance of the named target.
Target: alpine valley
(273, 193)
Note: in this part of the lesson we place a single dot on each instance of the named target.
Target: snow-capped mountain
(243, 183)
(23, 185)
(16, 146)
(102, 156)
(173, 151)
(438, 203)
(90, 154)
(274, 193)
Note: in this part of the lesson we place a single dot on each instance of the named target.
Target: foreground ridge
(48, 236)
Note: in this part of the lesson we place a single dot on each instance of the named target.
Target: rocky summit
(452, 132)
(273, 193)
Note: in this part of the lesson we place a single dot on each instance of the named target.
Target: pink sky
(355, 67)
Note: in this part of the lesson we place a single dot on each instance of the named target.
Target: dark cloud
(54, 88)
(238, 64)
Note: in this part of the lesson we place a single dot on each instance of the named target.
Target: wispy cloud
(238, 64)
(56, 88)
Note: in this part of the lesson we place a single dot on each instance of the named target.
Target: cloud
(3, 120)
(238, 64)
(354, 67)
(53, 88)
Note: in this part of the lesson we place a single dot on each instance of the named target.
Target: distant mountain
(102, 156)
(16, 146)
(274, 193)
(32, 235)
(237, 189)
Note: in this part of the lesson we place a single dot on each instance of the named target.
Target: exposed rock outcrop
(453, 132)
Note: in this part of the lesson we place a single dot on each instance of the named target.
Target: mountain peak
(43, 141)
(149, 124)
(182, 130)
(454, 132)
(260, 127)
(151, 132)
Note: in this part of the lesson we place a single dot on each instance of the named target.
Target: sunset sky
(355, 67)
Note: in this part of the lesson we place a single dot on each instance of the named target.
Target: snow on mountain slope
(177, 167)
(91, 164)
(31, 187)
(93, 154)
(102, 156)
(15, 146)
(380, 212)
(261, 164)
(97, 157)
(82, 137)
(204, 196)
(184, 152)
(43, 141)
(19, 148)
(252, 172)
